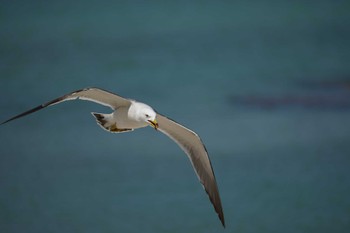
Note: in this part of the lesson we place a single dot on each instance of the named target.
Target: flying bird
(129, 114)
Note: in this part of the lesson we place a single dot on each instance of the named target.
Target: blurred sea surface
(266, 84)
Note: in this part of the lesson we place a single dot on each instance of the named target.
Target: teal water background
(266, 84)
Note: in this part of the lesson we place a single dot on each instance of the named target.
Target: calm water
(266, 85)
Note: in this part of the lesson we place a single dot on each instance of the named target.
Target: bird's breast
(124, 120)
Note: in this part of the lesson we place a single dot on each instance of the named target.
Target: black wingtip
(24, 114)
(2, 123)
(55, 101)
(222, 218)
(223, 221)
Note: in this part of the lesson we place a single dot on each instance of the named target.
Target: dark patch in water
(343, 83)
(334, 102)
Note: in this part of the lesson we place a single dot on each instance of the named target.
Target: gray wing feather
(90, 94)
(192, 145)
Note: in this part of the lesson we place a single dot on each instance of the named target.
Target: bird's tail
(107, 122)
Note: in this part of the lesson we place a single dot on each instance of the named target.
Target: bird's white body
(127, 118)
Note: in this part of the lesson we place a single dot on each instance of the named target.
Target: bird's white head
(150, 117)
(146, 114)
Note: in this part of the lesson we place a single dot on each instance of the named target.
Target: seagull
(129, 114)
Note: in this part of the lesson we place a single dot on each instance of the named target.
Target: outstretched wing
(192, 145)
(91, 94)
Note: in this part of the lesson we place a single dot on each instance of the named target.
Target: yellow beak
(154, 124)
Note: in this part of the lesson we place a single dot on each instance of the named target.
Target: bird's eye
(147, 115)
